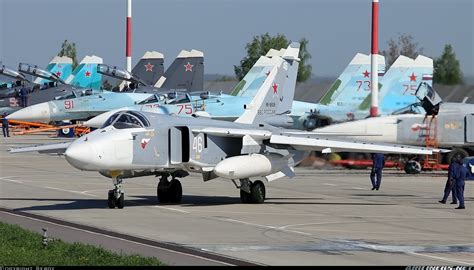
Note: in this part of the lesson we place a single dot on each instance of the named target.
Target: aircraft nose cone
(80, 155)
(35, 113)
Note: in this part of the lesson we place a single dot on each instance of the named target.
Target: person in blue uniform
(460, 173)
(24, 96)
(378, 162)
(450, 184)
(5, 126)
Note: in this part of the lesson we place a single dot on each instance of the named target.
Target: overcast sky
(31, 31)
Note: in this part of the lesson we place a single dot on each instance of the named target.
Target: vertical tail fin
(353, 85)
(255, 77)
(85, 75)
(399, 87)
(185, 73)
(150, 67)
(275, 96)
(61, 66)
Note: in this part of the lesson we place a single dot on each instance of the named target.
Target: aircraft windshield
(152, 99)
(67, 96)
(128, 119)
(410, 109)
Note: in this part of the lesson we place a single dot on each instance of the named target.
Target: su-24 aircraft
(61, 66)
(133, 144)
(450, 124)
(185, 73)
(85, 78)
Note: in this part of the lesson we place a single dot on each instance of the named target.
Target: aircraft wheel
(257, 192)
(111, 199)
(244, 197)
(413, 167)
(120, 201)
(175, 192)
(163, 195)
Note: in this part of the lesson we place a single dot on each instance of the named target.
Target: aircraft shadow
(383, 195)
(187, 201)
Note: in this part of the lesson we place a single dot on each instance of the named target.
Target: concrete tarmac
(321, 217)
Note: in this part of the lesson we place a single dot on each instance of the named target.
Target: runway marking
(465, 99)
(329, 184)
(11, 180)
(372, 232)
(71, 191)
(118, 238)
(438, 258)
(359, 188)
(263, 226)
(322, 223)
(172, 209)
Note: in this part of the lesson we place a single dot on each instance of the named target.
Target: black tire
(244, 197)
(120, 201)
(456, 151)
(111, 199)
(257, 192)
(412, 167)
(162, 194)
(175, 192)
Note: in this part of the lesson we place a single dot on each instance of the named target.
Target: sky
(32, 31)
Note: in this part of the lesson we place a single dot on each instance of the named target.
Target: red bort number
(68, 104)
(188, 109)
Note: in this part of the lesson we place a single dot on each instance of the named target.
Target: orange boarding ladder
(432, 162)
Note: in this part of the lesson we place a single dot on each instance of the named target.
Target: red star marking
(412, 77)
(188, 67)
(88, 74)
(275, 88)
(58, 74)
(366, 74)
(267, 73)
(149, 67)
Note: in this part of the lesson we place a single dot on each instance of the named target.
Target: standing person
(5, 126)
(450, 183)
(378, 162)
(24, 96)
(459, 176)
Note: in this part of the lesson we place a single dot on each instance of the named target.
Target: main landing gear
(169, 191)
(116, 196)
(251, 192)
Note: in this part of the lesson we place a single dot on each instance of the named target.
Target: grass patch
(22, 247)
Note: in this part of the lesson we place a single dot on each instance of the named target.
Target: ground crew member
(5, 127)
(24, 96)
(378, 162)
(460, 174)
(450, 183)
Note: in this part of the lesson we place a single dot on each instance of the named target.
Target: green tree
(69, 49)
(261, 44)
(446, 68)
(403, 45)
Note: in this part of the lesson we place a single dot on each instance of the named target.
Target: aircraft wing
(56, 148)
(327, 145)
(315, 142)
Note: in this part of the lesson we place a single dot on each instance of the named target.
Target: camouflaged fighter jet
(229, 107)
(133, 144)
(60, 66)
(184, 74)
(81, 82)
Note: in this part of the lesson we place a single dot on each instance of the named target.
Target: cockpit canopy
(36, 71)
(168, 98)
(118, 73)
(76, 94)
(415, 108)
(11, 73)
(127, 119)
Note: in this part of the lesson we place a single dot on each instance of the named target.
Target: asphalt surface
(321, 217)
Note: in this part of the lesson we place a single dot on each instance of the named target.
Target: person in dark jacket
(5, 126)
(24, 96)
(460, 173)
(450, 183)
(378, 162)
